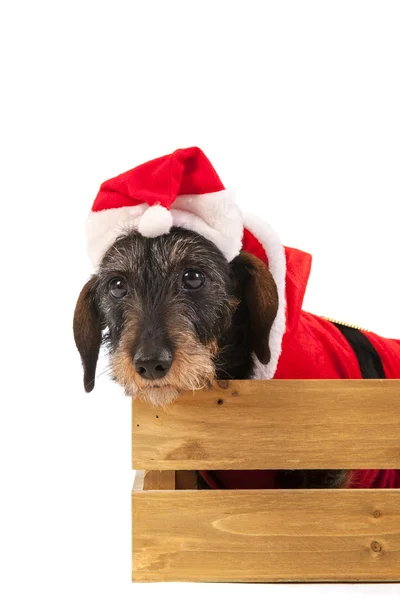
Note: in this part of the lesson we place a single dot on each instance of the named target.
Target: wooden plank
(185, 480)
(159, 480)
(266, 535)
(325, 424)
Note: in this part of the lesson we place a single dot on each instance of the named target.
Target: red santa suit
(305, 346)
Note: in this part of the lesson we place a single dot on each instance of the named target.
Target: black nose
(153, 366)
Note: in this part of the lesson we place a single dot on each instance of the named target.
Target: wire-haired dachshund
(188, 289)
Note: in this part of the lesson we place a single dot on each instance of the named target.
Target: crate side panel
(266, 535)
(324, 424)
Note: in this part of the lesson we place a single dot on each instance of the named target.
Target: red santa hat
(183, 189)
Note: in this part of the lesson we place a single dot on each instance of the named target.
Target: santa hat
(181, 189)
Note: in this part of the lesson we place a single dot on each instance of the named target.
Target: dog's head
(168, 307)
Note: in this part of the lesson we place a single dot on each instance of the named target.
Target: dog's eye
(193, 280)
(118, 288)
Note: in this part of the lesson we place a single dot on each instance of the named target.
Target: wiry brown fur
(192, 369)
(194, 325)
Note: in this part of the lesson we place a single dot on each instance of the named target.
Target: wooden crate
(184, 534)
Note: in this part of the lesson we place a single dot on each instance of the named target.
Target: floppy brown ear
(87, 332)
(256, 288)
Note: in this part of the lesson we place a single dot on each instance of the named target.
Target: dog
(179, 306)
(177, 315)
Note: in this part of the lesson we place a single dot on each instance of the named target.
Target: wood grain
(159, 480)
(266, 535)
(324, 424)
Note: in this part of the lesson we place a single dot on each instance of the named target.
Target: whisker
(106, 370)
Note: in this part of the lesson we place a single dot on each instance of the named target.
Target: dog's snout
(153, 366)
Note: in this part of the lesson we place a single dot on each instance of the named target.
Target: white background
(297, 106)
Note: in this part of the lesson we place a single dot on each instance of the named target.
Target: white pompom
(156, 221)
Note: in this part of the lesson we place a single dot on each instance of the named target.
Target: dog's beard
(192, 369)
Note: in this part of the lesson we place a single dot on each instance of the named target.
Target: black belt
(369, 360)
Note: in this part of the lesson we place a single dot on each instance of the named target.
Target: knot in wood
(376, 547)
(223, 385)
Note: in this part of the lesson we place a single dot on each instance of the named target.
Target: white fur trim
(156, 220)
(105, 226)
(277, 266)
(214, 216)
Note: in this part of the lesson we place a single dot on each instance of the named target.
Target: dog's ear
(256, 288)
(87, 331)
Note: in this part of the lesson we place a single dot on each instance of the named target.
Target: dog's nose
(153, 366)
